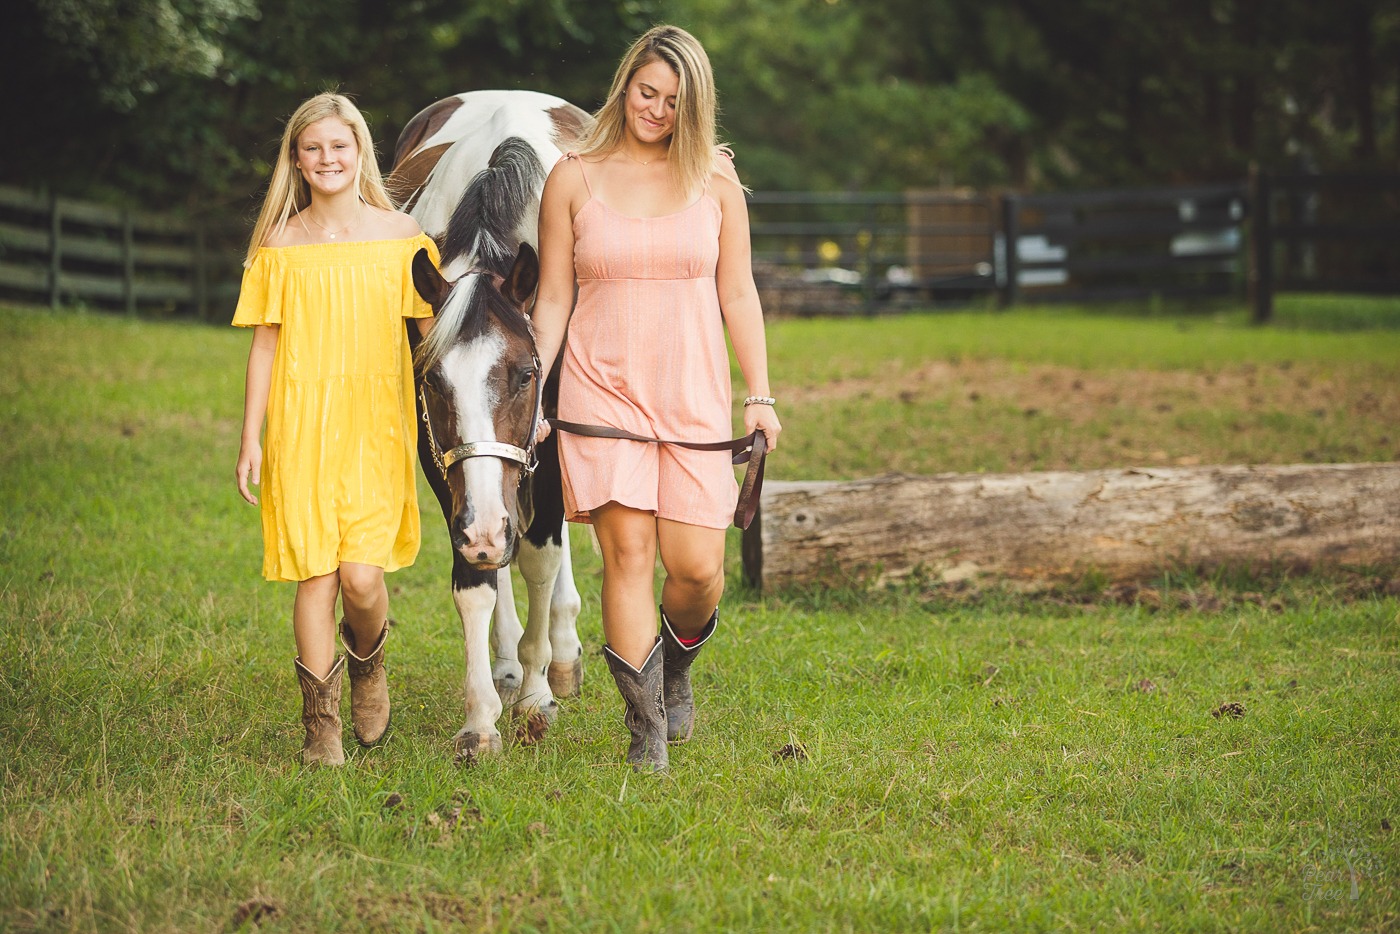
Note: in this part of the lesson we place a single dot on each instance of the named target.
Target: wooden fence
(1128, 244)
(842, 252)
(863, 252)
(1323, 233)
(61, 251)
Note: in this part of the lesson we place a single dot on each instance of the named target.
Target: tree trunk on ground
(1122, 524)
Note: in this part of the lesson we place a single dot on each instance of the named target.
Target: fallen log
(1125, 524)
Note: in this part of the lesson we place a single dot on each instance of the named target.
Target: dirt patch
(1074, 393)
(976, 415)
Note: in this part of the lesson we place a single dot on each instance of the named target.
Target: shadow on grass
(1181, 589)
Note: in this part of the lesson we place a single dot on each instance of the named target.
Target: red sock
(689, 642)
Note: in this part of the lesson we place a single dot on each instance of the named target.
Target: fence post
(201, 275)
(128, 264)
(866, 238)
(55, 248)
(1011, 235)
(1262, 247)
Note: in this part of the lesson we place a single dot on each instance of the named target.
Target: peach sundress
(646, 353)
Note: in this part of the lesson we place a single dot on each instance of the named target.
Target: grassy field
(909, 759)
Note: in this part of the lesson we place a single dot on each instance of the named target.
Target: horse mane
(485, 222)
(484, 228)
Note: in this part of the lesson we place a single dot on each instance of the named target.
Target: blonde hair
(693, 142)
(288, 192)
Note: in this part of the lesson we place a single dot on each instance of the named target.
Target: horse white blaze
(468, 367)
(483, 707)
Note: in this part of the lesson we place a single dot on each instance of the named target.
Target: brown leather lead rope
(750, 449)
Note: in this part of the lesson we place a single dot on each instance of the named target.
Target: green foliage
(152, 122)
(175, 102)
(129, 48)
(1049, 94)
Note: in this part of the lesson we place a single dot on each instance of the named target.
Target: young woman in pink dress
(648, 222)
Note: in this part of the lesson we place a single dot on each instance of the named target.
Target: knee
(362, 584)
(321, 588)
(699, 576)
(631, 555)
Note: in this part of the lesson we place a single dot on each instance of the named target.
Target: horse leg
(539, 566)
(474, 593)
(506, 672)
(566, 652)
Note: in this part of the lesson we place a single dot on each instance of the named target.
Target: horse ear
(428, 281)
(520, 284)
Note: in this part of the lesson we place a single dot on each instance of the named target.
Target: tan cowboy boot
(369, 688)
(320, 714)
(680, 702)
(645, 716)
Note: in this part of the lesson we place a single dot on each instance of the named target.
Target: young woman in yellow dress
(326, 287)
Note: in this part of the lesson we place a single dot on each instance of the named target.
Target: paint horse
(470, 169)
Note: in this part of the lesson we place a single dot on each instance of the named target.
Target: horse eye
(523, 377)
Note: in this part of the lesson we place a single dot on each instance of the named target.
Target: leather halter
(525, 456)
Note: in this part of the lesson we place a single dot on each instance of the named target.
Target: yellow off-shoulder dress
(339, 458)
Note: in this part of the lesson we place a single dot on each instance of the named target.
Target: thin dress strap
(575, 157)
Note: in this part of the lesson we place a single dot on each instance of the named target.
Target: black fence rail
(862, 252)
(842, 252)
(59, 250)
(1323, 233)
(1128, 244)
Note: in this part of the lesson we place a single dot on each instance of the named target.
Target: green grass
(1059, 388)
(973, 761)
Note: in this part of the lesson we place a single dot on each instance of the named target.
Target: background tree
(177, 102)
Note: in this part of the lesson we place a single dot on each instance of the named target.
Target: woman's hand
(762, 417)
(249, 469)
(543, 430)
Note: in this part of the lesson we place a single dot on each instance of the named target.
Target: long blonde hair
(693, 142)
(288, 192)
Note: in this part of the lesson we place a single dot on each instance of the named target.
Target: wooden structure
(1042, 527)
(868, 252)
(1323, 233)
(1128, 244)
(58, 250)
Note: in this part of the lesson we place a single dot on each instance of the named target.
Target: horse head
(480, 387)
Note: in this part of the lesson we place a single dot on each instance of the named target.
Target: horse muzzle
(486, 550)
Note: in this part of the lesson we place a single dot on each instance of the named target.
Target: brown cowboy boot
(645, 716)
(320, 714)
(369, 688)
(680, 702)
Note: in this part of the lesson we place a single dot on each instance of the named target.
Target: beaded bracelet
(760, 400)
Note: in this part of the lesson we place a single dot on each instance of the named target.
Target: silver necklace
(635, 159)
(332, 234)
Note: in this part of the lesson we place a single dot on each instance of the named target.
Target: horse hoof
(471, 748)
(566, 678)
(532, 727)
(527, 708)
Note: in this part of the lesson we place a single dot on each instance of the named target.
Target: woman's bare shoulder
(288, 234)
(396, 225)
(565, 180)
